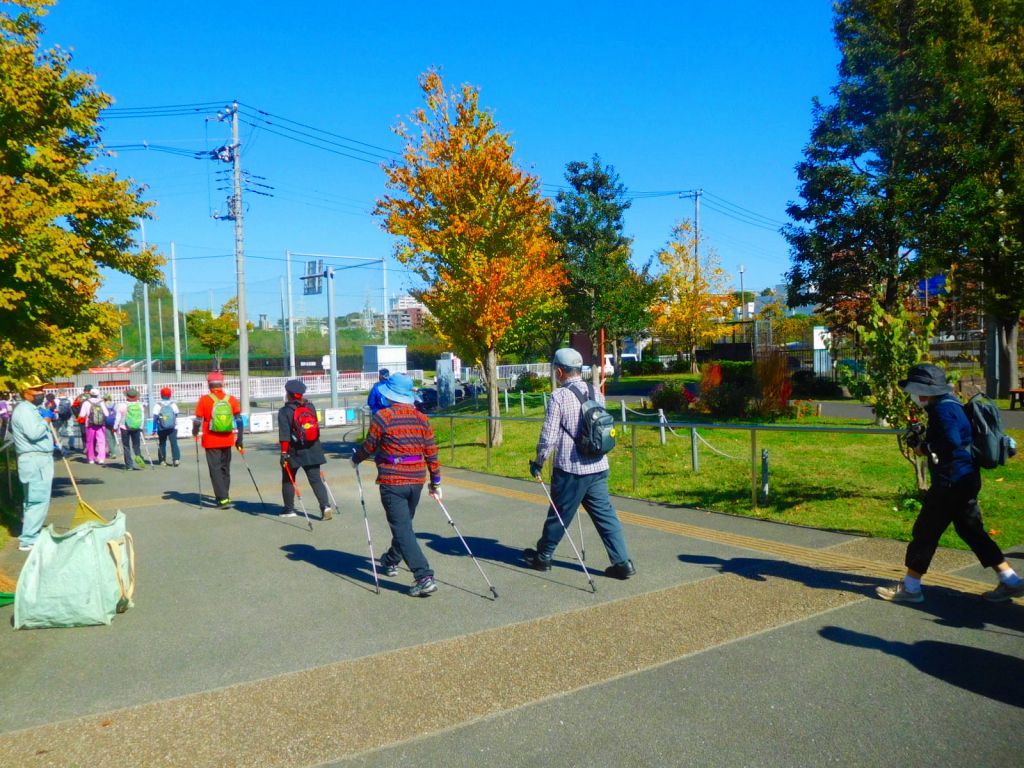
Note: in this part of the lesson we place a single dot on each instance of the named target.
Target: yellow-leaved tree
(694, 296)
(472, 225)
(60, 219)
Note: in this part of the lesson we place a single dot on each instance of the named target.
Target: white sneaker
(898, 593)
(24, 547)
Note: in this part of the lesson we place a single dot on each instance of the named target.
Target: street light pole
(743, 296)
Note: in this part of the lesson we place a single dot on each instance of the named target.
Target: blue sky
(675, 95)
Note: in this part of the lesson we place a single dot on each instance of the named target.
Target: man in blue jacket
(375, 399)
(952, 496)
(33, 442)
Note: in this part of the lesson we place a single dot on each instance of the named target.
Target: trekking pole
(302, 504)
(366, 520)
(457, 533)
(241, 450)
(334, 502)
(583, 549)
(145, 449)
(568, 535)
(199, 474)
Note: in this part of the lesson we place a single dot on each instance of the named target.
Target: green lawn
(845, 482)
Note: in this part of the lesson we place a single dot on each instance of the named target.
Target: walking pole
(302, 504)
(241, 450)
(583, 549)
(366, 520)
(199, 474)
(593, 586)
(452, 524)
(145, 449)
(330, 493)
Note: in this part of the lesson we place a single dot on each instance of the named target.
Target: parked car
(426, 399)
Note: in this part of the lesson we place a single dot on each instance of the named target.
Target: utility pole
(743, 296)
(695, 194)
(384, 268)
(234, 154)
(151, 401)
(174, 315)
(291, 316)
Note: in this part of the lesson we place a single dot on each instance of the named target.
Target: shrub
(669, 397)
(773, 386)
(529, 381)
(725, 401)
(642, 367)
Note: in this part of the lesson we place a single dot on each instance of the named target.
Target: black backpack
(991, 447)
(596, 436)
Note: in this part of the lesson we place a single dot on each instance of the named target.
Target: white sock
(1009, 577)
(911, 584)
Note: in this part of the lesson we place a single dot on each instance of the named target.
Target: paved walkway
(255, 642)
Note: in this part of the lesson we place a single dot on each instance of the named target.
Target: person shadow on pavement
(486, 549)
(354, 568)
(949, 607)
(994, 675)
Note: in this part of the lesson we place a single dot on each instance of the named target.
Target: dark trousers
(569, 491)
(164, 435)
(956, 504)
(131, 441)
(315, 482)
(219, 462)
(400, 503)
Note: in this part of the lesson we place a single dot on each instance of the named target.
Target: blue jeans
(400, 507)
(568, 491)
(35, 470)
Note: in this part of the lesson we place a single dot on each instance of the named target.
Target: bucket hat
(131, 392)
(398, 389)
(926, 379)
(30, 382)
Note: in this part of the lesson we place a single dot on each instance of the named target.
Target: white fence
(259, 386)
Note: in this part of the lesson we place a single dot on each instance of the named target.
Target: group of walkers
(400, 441)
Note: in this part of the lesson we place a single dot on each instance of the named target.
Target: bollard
(693, 449)
(662, 420)
(506, 401)
(764, 475)
(622, 408)
(522, 403)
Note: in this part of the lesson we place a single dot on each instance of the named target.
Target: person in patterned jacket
(402, 445)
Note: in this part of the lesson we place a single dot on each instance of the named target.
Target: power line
(321, 130)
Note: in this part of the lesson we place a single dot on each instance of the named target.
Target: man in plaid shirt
(576, 479)
(402, 443)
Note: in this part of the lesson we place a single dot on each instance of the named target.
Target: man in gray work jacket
(33, 442)
(576, 479)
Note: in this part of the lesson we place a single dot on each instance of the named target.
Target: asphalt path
(255, 641)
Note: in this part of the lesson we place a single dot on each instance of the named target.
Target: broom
(83, 513)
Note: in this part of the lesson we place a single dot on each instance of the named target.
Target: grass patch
(836, 481)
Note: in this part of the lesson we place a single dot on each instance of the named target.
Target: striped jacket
(402, 443)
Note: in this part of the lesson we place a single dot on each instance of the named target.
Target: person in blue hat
(401, 442)
(375, 399)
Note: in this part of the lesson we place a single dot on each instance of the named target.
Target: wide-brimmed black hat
(926, 379)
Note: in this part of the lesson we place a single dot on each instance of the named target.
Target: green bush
(529, 381)
(642, 367)
(726, 401)
(669, 397)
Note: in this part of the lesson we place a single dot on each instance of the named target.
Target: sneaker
(139, 461)
(91, 462)
(325, 514)
(24, 547)
(387, 568)
(621, 570)
(175, 463)
(898, 593)
(536, 561)
(224, 503)
(423, 587)
(288, 513)
(1004, 591)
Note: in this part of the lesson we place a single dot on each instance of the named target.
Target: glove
(196, 423)
(285, 457)
(435, 490)
(238, 443)
(536, 469)
(353, 461)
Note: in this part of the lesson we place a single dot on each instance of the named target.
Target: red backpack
(305, 427)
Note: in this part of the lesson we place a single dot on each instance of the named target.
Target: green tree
(604, 291)
(60, 219)
(214, 334)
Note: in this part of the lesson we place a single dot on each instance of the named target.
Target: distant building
(407, 313)
(264, 323)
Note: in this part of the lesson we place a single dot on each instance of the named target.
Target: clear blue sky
(676, 95)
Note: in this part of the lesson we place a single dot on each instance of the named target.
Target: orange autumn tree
(473, 226)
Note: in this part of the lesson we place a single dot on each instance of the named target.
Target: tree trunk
(1009, 373)
(693, 359)
(494, 434)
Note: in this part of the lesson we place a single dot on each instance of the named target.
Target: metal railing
(631, 428)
